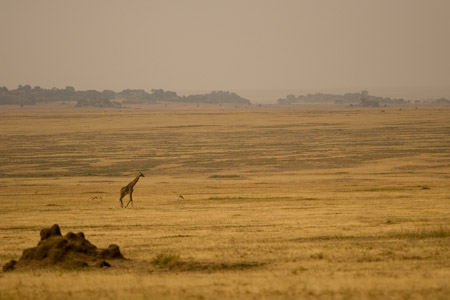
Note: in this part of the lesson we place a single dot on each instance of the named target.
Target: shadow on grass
(172, 262)
(411, 234)
(197, 266)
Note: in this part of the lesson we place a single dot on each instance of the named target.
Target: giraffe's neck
(134, 181)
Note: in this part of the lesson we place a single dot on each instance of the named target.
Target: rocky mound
(70, 251)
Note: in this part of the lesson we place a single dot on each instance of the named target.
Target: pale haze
(228, 45)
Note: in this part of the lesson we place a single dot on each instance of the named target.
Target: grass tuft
(164, 259)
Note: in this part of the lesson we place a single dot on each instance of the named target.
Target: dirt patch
(71, 251)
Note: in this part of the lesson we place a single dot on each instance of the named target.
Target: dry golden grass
(279, 204)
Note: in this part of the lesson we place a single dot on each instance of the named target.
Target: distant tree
(25, 89)
(369, 103)
(109, 94)
(441, 101)
(291, 97)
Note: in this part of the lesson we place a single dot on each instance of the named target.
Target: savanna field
(279, 202)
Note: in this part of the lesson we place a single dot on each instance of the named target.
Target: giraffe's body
(128, 189)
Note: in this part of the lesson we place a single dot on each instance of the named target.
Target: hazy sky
(229, 44)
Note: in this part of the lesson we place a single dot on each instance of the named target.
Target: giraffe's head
(140, 174)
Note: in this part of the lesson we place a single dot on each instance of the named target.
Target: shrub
(163, 259)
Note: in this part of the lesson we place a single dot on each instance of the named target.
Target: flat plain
(279, 202)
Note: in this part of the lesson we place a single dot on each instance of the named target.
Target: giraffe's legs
(131, 200)
(122, 194)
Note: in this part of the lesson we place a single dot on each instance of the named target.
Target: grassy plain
(280, 203)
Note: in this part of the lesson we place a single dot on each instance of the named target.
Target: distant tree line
(362, 99)
(142, 97)
(158, 95)
(26, 95)
(216, 97)
(441, 101)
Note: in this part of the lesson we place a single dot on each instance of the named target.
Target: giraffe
(128, 189)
